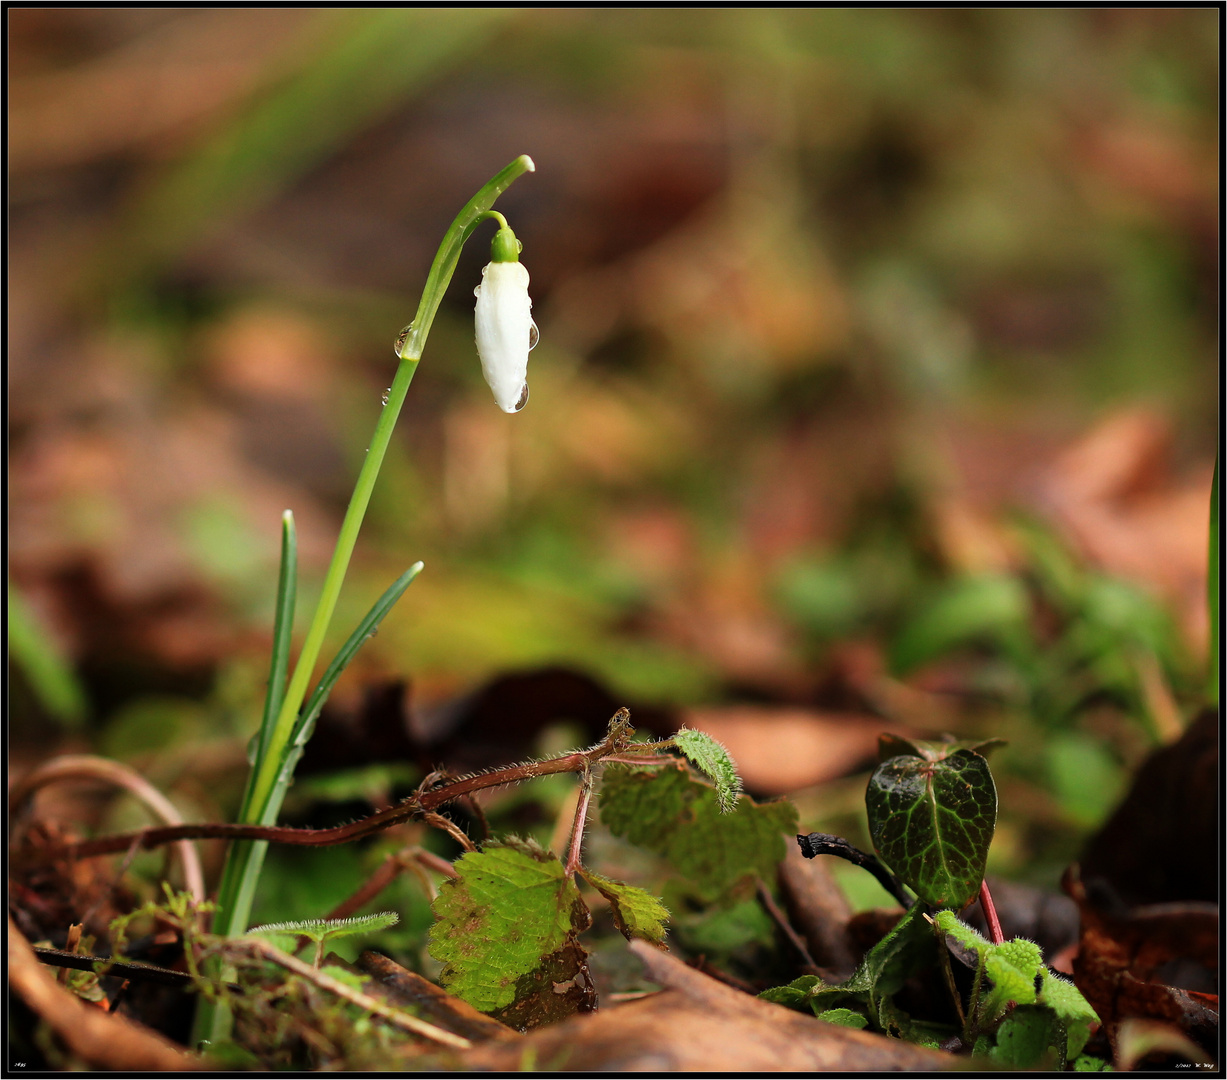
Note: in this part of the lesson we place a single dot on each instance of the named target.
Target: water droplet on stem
(401, 338)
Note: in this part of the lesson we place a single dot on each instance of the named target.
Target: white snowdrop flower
(505, 328)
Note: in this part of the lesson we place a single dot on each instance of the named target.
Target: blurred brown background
(843, 314)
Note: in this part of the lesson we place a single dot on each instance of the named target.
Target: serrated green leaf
(636, 913)
(932, 822)
(714, 760)
(1029, 1038)
(505, 934)
(907, 949)
(667, 811)
(796, 994)
(844, 1018)
(1074, 1011)
(1090, 1063)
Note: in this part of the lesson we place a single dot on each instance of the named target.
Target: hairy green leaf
(667, 811)
(1012, 967)
(505, 934)
(932, 822)
(796, 994)
(319, 929)
(844, 1018)
(1029, 1038)
(714, 760)
(1074, 1011)
(636, 913)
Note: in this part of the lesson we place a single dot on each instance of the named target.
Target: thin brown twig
(781, 920)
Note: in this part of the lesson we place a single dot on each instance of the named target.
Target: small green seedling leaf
(321, 931)
(506, 935)
(796, 994)
(711, 758)
(1031, 1037)
(907, 949)
(667, 811)
(1012, 967)
(932, 822)
(637, 913)
(1074, 1011)
(845, 1018)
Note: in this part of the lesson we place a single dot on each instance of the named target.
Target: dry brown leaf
(700, 1025)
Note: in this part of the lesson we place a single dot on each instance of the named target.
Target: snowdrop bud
(505, 327)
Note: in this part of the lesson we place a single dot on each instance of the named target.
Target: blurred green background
(877, 375)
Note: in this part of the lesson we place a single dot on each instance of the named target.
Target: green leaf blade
(933, 821)
(505, 932)
(667, 811)
(637, 913)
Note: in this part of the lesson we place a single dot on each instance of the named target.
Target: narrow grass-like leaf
(710, 756)
(245, 859)
(283, 632)
(50, 676)
(365, 629)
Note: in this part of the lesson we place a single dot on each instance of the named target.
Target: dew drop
(523, 398)
(386, 393)
(253, 748)
(533, 336)
(401, 338)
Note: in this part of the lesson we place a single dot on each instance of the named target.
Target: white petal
(504, 324)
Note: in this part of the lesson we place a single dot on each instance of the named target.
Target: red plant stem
(617, 741)
(990, 914)
(577, 827)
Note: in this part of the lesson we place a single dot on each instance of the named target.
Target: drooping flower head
(505, 328)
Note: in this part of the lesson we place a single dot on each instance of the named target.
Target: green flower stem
(296, 692)
(270, 778)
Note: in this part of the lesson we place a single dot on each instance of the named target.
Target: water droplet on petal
(523, 398)
(533, 336)
(401, 338)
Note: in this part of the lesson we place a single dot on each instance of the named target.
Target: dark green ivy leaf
(932, 822)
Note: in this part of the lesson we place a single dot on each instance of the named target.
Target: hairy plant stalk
(615, 744)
